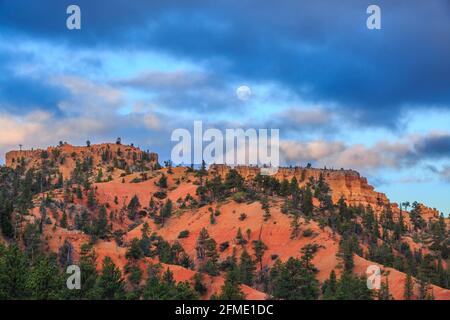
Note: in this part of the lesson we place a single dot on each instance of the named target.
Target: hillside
(234, 227)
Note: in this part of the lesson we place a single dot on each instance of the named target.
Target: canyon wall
(343, 183)
(66, 155)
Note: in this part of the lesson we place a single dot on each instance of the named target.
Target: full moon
(243, 93)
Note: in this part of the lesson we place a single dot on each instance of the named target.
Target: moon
(243, 93)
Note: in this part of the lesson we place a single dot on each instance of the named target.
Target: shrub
(183, 234)
(239, 197)
(308, 233)
(242, 217)
(160, 194)
(224, 246)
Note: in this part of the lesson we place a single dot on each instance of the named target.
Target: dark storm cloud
(320, 50)
(181, 90)
(22, 93)
(434, 146)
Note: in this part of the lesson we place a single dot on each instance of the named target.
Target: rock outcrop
(65, 156)
(343, 183)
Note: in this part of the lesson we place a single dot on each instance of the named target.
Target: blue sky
(377, 101)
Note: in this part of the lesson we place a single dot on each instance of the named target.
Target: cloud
(309, 151)
(435, 145)
(404, 153)
(88, 96)
(306, 120)
(169, 80)
(89, 110)
(21, 91)
(321, 50)
(443, 172)
(312, 117)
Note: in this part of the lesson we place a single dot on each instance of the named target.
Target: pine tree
(240, 238)
(89, 274)
(345, 253)
(162, 182)
(91, 201)
(259, 247)
(63, 222)
(295, 226)
(351, 287)
(165, 287)
(6, 209)
(329, 287)
(284, 188)
(135, 251)
(231, 289)
(207, 253)
(265, 207)
(101, 224)
(13, 273)
(383, 293)
(133, 206)
(291, 281)
(247, 268)
(44, 282)
(110, 284)
(308, 252)
(307, 203)
(409, 287)
(416, 217)
(199, 286)
(165, 212)
(99, 176)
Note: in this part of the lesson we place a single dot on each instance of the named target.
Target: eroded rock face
(343, 183)
(276, 233)
(66, 155)
(428, 213)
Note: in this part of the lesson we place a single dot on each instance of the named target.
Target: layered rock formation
(66, 155)
(343, 183)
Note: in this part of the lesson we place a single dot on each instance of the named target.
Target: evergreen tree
(6, 209)
(329, 287)
(307, 203)
(135, 251)
(240, 238)
(91, 200)
(199, 286)
(165, 287)
(259, 247)
(292, 281)
(409, 287)
(88, 274)
(133, 206)
(207, 253)
(32, 241)
(165, 212)
(383, 293)
(110, 284)
(295, 226)
(351, 287)
(247, 268)
(44, 281)
(231, 289)
(416, 218)
(162, 182)
(265, 207)
(101, 224)
(63, 222)
(13, 273)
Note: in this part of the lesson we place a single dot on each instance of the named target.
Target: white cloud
(87, 96)
(309, 151)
